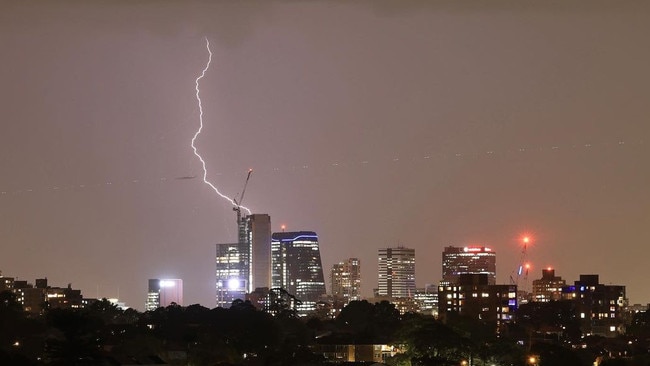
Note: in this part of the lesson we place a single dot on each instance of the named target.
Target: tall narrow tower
(258, 237)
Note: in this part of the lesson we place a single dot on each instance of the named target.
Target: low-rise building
(472, 296)
(600, 307)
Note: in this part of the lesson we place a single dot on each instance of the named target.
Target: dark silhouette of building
(474, 297)
(600, 307)
(34, 298)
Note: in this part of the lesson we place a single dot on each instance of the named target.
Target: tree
(429, 341)
(76, 338)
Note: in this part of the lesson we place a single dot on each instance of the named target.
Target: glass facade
(233, 272)
(244, 266)
(297, 267)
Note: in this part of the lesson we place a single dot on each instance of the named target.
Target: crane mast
(240, 223)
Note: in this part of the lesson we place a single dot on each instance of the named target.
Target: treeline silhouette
(102, 334)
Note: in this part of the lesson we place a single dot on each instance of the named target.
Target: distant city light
(166, 283)
(233, 283)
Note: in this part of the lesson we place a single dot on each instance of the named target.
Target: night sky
(375, 124)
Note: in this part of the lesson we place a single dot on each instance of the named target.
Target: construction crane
(524, 266)
(237, 208)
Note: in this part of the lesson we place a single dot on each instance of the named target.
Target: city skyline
(374, 124)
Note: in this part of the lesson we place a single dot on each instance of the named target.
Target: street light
(532, 360)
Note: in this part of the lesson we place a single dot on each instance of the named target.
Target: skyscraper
(396, 272)
(469, 260)
(297, 266)
(346, 280)
(163, 292)
(259, 237)
(233, 272)
(246, 265)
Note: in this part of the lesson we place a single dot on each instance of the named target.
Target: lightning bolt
(198, 132)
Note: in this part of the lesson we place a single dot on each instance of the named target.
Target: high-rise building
(346, 280)
(164, 292)
(549, 287)
(396, 272)
(297, 266)
(233, 272)
(246, 265)
(259, 237)
(468, 260)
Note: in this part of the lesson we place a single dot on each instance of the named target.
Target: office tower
(549, 287)
(346, 280)
(164, 292)
(233, 272)
(297, 266)
(468, 260)
(246, 265)
(259, 237)
(396, 272)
